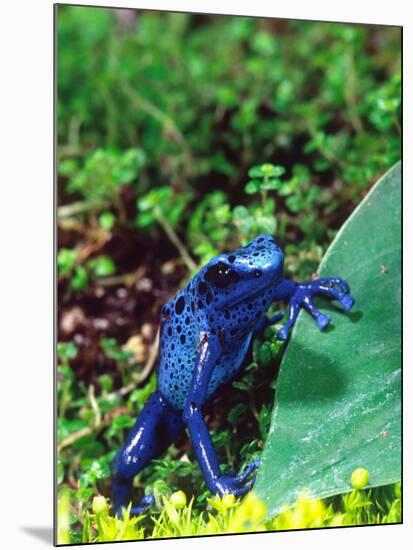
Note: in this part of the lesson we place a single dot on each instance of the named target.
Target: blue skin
(206, 331)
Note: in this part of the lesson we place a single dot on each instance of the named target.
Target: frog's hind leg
(157, 426)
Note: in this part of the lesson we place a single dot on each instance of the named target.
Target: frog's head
(242, 274)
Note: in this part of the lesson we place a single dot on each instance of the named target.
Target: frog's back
(179, 339)
(177, 354)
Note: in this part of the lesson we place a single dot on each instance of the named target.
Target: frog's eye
(221, 275)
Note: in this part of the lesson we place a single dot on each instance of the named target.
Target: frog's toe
(248, 470)
(243, 489)
(332, 282)
(146, 502)
(236, 485)
(282, 334)
(347, 302)
(323, 321)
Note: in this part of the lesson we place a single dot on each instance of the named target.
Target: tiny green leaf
(252, 187)
(66, 260)
(240, 213)
(107, 220)
(271, 185)
(67, 350)
(102, 266)
(80, 278)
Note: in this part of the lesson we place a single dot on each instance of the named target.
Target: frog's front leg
(301, 295)
(209, 351)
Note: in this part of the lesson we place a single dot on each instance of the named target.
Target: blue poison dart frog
(205, 333)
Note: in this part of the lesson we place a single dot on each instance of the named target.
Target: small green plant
(210, 228)
(178, 517)
(259, 218)
(99, 182)
(265, 178)
(166, 208)
(99, 526)
(70, 267)
(101, 266)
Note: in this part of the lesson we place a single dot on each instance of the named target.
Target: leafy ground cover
(180, 519)
(164, 159)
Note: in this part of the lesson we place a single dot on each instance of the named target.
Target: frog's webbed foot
(146, 502)
(331, 287)
(237, 485)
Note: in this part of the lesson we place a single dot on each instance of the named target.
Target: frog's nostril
(258, 273)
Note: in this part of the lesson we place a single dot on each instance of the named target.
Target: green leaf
(237, 414)
(266, 170)
(84, 494)
(240, 213)
(252, 187)
(97, 470)
(255, 172)
(388, 104)
(338, 393)
(144, 219)
(107, 220)
(67, 167)
(123, 421)
(271, 171)
(271, 185)
(266, 224)
(66, 260)
(65, 427)
(66, 350)
(106, 381)
(102, 266)
(160, 197)
(113, 350)
(265, 355)
(79, 279)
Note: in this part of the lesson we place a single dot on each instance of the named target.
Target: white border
(27, 262)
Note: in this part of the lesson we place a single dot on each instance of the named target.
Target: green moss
(229, 515)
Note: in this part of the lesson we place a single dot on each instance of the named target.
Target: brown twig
(75, 436)
(78, 207)
(153, 354)
(92, 248)
(127, 279)
(165, 120)
(173, 237)
(98, 423)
